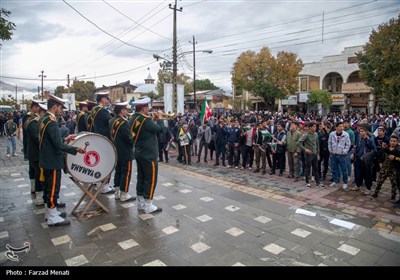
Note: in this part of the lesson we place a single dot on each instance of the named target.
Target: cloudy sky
(114, 41)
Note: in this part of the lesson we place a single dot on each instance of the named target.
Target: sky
(111, 41)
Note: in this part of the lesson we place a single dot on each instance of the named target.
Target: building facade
(340, 75)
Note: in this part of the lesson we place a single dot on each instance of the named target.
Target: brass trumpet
(164, 116)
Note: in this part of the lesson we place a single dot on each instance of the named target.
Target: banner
(168, 98)
(180, 99)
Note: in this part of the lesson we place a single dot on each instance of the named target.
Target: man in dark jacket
(123, 142)
(100, 118)
(144, 133)
(32, 144)
(81, 121)
(51, 157)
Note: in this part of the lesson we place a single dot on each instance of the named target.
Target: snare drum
(97, 163)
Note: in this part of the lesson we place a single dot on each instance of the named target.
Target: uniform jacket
(122, 138)
(146, 147)
(81, 121)
(51, 147)
(101, 118)
(32, 134)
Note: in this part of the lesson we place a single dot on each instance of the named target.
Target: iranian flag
(205, 111)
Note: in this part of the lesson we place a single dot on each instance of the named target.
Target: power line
(86, 78)
(121, 13)
(109, 34)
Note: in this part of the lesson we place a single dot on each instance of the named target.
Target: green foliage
(6, 27)
(83, 90)
(266, 76)
(205, 84)
(235, 103)
(320, 96)
(165, 76)
(248, 104)
(60, 90)
(380, 63)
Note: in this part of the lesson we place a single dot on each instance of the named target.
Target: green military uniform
(32, 136)
(100, 119)
(123, 142)
(51, 156)
(26, 117)
(81, 121)
(144, 132)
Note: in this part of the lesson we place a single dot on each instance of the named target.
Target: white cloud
(50, 36)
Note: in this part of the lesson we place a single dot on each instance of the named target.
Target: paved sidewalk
(211, 216)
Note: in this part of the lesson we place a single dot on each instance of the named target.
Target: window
(303, 87)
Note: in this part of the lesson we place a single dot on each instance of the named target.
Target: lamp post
(167, 63)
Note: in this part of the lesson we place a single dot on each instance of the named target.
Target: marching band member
(32, 137)
(51, 157)
(100, 119)
(123, 142)
(88, 117)
(81, 122)
(144, 133)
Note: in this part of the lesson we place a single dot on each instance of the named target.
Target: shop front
(359, 97)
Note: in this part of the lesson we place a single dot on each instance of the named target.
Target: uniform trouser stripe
(53, 189)
(153, 179)
(128, 176)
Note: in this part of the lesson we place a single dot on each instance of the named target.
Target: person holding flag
(205, 111)
(186, 141)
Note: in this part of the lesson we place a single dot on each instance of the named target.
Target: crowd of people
(356, 146)
(348, 146)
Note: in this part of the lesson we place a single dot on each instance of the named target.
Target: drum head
(97, 163)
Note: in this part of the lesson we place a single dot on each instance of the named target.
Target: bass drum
(97, 163)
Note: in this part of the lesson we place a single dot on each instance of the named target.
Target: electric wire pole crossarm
(158, 57)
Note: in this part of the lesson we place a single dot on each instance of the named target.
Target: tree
(320, 96)
(165, 76)
(205, 84)
(60, 90)
(266, 76)
(6, 27)
(83, 90)
(152, 97)
(380, 63)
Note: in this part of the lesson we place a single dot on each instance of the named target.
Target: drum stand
(93, 197)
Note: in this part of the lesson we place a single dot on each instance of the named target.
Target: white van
(6, 109)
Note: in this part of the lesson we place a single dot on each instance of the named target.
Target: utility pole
(174, 57)
(42, 76)
(68, 82)
(38, 91)
(194, 72)
(16, 95)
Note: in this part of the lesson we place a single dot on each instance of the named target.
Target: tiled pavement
(212, 216)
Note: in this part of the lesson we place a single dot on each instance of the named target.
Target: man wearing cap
(100, 120)
(81, 119)
(31, 114)
(28, 116)
(32, 136)
(123, 142)
(88, 117)
(101, 116)
(144, 133)
(51, 157)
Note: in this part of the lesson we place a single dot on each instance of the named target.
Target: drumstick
(87, 143)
